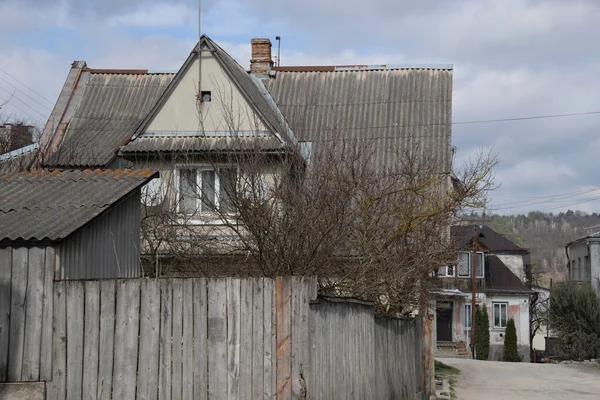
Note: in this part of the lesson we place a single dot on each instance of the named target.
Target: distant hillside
(545, 234)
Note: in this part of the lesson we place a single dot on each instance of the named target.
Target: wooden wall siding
(181, 339)
(26, 313)
(356, 355)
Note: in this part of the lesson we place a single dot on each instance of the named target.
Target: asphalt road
(515, 381)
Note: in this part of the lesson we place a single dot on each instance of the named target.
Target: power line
(50, 102)
(19, 90)
(33, 119)
(24, 103)
(549, 199)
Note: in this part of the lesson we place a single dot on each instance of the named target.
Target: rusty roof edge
(349, 68)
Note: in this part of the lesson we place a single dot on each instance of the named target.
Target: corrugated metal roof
(149, 144)
(252, 88)
(401, 109)
(110, 109)
(45, 205)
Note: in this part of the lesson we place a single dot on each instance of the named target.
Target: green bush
(575, 319)
(511, 351)
(482, 333)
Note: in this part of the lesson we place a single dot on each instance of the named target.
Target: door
(444, 321)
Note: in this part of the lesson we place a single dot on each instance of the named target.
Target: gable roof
(499, 278)
(108, 107)
(45, 205)
(492, 240)
(251, 88)
(402, 108)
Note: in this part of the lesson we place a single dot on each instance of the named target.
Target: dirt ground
(517, 381)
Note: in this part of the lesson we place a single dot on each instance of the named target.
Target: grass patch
(442, 369)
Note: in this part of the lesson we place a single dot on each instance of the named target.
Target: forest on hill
(544, 234)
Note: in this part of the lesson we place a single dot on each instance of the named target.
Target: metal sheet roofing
(111, 107)
(407, 109)
(45, 205)
(171, 144)
(492, 240)
(499, 278)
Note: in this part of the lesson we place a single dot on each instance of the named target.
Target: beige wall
(228, 111)
(515, 263)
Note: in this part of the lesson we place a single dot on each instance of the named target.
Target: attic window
(205, 96)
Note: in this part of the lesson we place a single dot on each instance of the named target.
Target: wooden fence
(358, 356)
(26, 286)
(196, 338)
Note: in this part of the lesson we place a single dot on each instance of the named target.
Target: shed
(86, 224)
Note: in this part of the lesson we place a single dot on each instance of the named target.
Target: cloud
(157, 16)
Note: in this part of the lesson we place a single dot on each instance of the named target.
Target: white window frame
(443, 271)
(500, 304)
(200, 215)
(470, 264)
(467, 316)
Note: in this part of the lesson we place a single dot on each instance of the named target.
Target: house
(583, 257)
(500, 286)
(193, 124)
(81, 224)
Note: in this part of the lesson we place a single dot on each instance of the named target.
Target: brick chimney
(261, 62)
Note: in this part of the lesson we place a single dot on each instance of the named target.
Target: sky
(511, 58)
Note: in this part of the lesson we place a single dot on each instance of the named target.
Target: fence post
(428, 365)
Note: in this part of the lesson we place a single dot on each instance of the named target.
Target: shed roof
(109, 109)
(44, 205)
(400, 109)
(499, 278)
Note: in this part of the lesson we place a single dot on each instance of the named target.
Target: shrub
(511, 351)
(482, 333)
(575, 319)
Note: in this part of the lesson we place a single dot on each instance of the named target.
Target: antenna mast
(198, 95)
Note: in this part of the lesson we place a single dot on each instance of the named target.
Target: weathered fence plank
(257, 339)
(217, 339)
(5, 308)
(284, 389)
(33, 315)
(246, 322)
(269, 339)
(177, 371)
(17, 313)
(300, 332)
(107, 336)
(233, 338)
(188, 341)
(92, 339)
(165, 342)
(126, 339)
(200, 339)
(75, 303)
(48, 299)
(57, 388)
(147, 379)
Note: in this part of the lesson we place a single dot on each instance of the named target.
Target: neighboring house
(500, 277)
(583, 257)
(85, 223)
(191, 125)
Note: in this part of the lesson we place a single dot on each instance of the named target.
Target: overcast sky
(512, 58)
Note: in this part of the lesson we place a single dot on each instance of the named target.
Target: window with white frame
(206, 190)
(447, 271)
(500, 314)
(467, 316)
(465, 263)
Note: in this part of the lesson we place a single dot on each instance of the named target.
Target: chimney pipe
(261, 62)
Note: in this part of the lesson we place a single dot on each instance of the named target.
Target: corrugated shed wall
(358, 356)
(109, 247)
